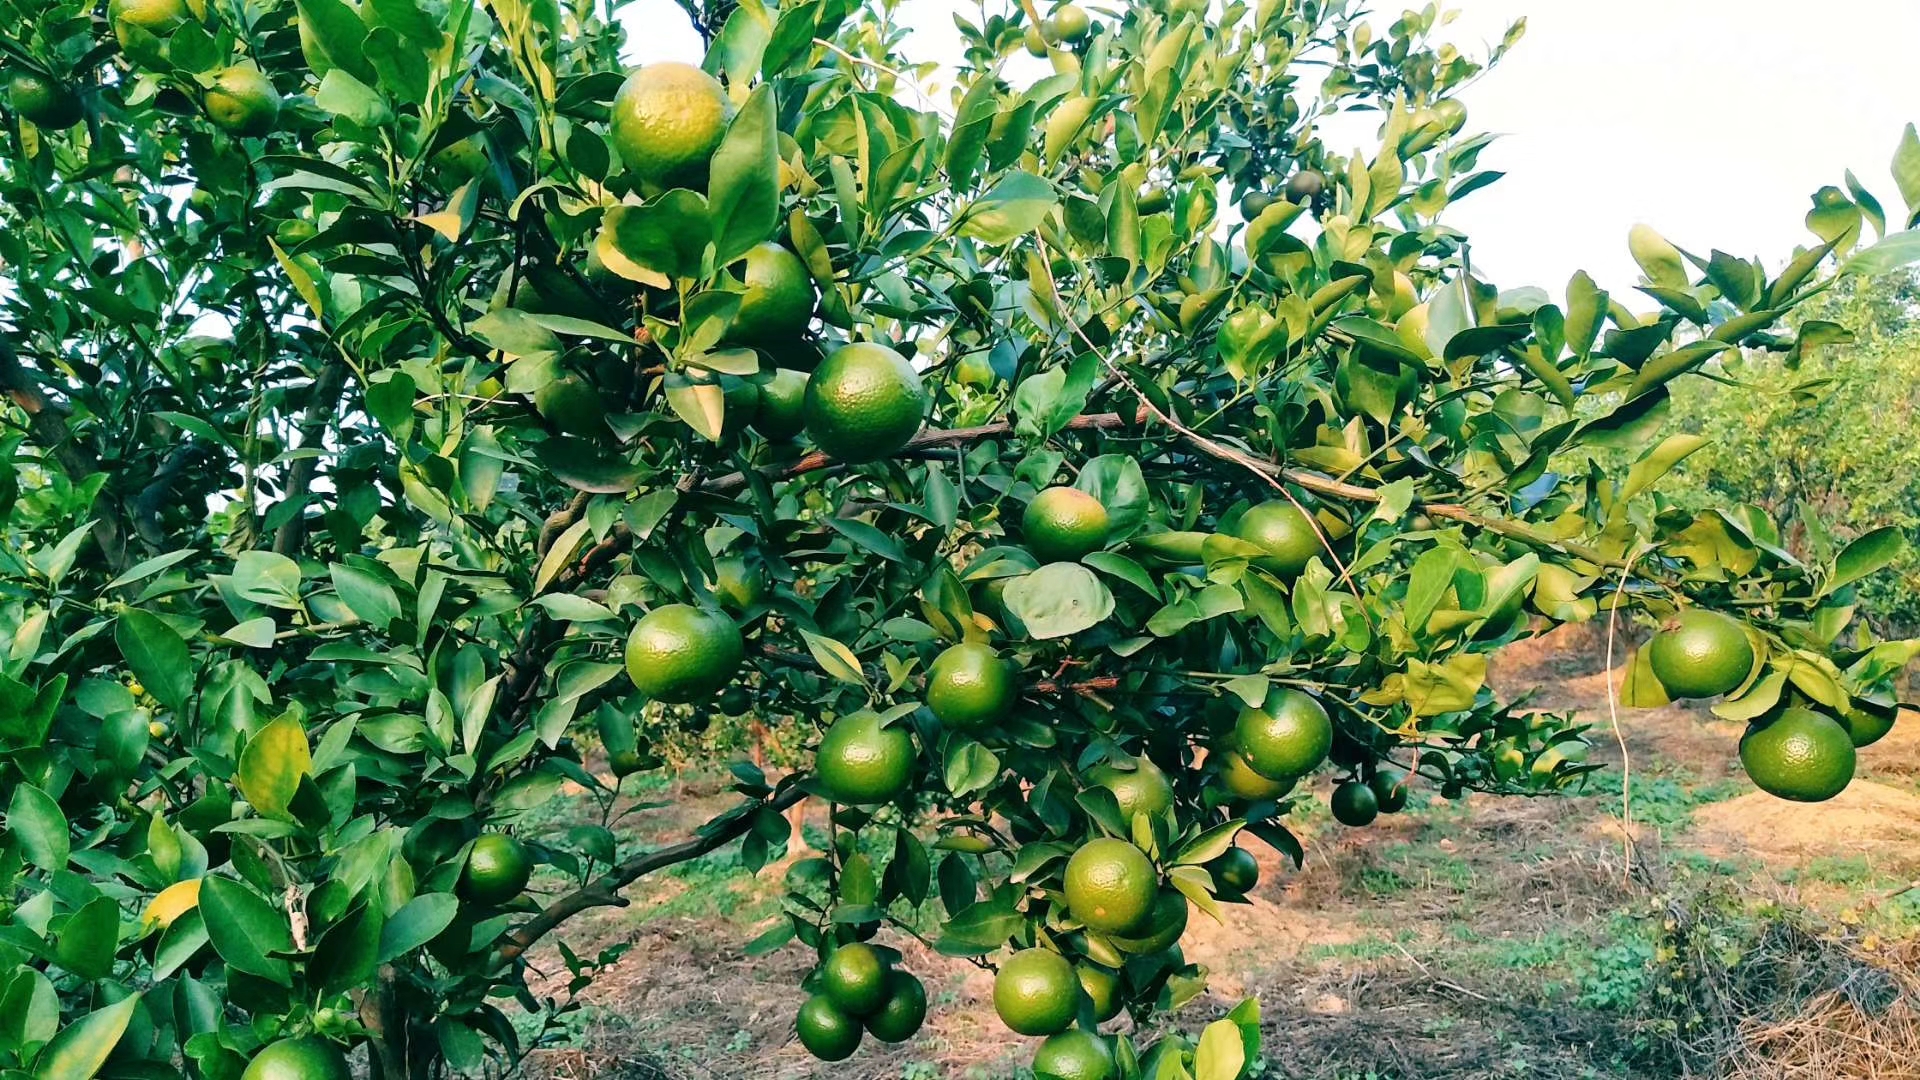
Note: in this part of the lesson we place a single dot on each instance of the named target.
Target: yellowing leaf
(272, 764)
(174, 901)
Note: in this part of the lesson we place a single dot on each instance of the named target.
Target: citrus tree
(404, 398)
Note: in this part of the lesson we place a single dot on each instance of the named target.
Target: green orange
(498, 869)
(668, 119)
(826, 1032)
(783, 405)
(1142, 789)
(1102, 988)
(1073, 1055)
(854, 978)
(863, 764)
(1803, 755)
(679, 653)
(1162, 927)
(1238, 779)
(1235, 872)
(571, 404)
(1071, 22)
(1284, 532)
(1111, 885)
(242, 101)
(1354, 804)
(1389, 784)
(902, 1012)
(1868, 724)
(1287, 737)
(737, 583)
(1306, 185)
(1036, 992)
(157, 18)
(971, 686)
(299, 1059)
(43, 100)
(777, 302)
(1700, 654)
(1064, 524)
(864, 402)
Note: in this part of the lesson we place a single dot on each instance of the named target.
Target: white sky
(1714, 121)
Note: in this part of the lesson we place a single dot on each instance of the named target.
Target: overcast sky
(1714, 121)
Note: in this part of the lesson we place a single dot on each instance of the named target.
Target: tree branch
(313, 429)
(46, 422)
(604, 891)
(932, 437)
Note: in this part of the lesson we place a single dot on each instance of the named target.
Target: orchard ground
(1743, 937)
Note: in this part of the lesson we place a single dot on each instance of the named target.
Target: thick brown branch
(313, 428)
(604, 891)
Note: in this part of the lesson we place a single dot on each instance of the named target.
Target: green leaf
(1906, 174)
(969, 766)
(419, 921)
(834, 658)
(869, 537)
(1658, 259)
(653, 244)
(1586, 311)
(1116, 480)
(1868, 554)
(272, 764)
(1221, 1054)
(89, 938)
(1658, 462)
(390, 400)
(348, 952)
(1010, 209)
(157, 655)
(266, 577)
(701, 405)
(340, 35)
(352, 99)
(1641, 688)
(1890, 254)
(1209, 845)
(78, 1052)
(972, 123)
(744, 194)
(514, 332)
(36, 820)
(143, 570)
(1671, 365)
(370, 598)
(245, 929)
(581, 465)
(1059, 599)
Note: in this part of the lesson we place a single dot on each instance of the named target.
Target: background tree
(1825, 432)
(404, 399)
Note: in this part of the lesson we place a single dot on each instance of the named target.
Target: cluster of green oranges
(859, 992)
(861, 402)
(1068, 24)
(240, 99)
(1796, 750)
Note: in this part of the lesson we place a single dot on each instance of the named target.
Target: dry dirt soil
(1495, 938)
